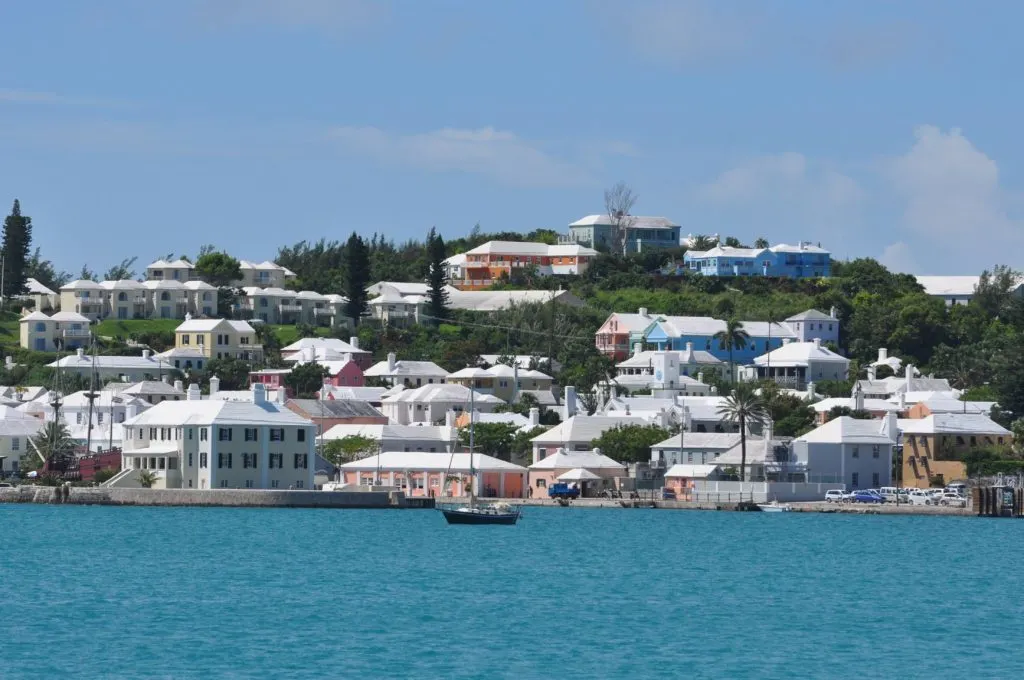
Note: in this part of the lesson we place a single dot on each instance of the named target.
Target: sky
(879, 129)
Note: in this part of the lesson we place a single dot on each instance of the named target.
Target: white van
(890, 494)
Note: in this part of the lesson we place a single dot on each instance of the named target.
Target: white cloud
(784, 178)
(486, 151)
(953, 199)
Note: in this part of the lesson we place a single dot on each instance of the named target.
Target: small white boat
(774, 506)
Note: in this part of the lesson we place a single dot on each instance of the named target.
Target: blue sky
(877, 128)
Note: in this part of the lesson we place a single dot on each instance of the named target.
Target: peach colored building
(485, 265)
(617, 335)
(681, 478)
(546, 471)
(422, 473)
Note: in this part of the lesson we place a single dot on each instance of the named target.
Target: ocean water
(103, 592)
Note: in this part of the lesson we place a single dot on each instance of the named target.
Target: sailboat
(474, 513)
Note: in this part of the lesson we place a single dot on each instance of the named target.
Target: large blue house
(674, 332)
(803, 261)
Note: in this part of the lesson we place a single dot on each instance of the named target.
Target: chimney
(872, 373)
(858, 399)
(308, 354)
(146, 353)
(832, 312)
(569, 407)
(391, 362)
(811, 394)
(534, 417)
(193, 392)
(714, 390)
(817, 343)
(643, 311)
(259, 393)
(178, 385)
(354, 341)
(883, 354)
(597, 452)
(449, 418)
(700, 376)
(909, 375)
(903, 402)
(663, 420)
(80, 352)
(890, 426)
(637, 348)
(214, 385)
(166, 379)
(8, 362)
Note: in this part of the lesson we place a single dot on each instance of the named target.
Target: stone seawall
(247, 498)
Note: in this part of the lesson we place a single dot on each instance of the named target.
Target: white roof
(690, 471)
(439, 433)
(404, 368)
(950, 405)
(847, 430)
(182, 353)
(523, 360)
(164, 284)
(15, 423)
(456, 260)
(217, 412)
(678, 326)
(69, 317)
(402, 287)
(810, 315)
(427, 461)
(952, 423)
(568, 460)
(458, 394)
(35, 288)
(494, 300)
(578, 475)
(367, 394)
(700, 441)
(515, 419)
(81, 284)
(531, 249)
(632, 323)
(799, 248)
(206, 325)
(198, 285)
(646, 358)
(35, 316)
(156, 387)
(310, 295)
(266, 265)
(104, 400)
(942, 286)
(111, 363)
(122, 284)
(800, 354)
(176, 264)
(583, 429)
(637, 222)
(334, 344)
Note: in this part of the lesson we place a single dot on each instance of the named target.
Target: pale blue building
(642, 233)
(802, 261)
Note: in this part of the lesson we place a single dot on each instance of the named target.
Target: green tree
(218, 268)
(147, 478)
(491, 439)
(357, 278)
(42, 270)
(15, 249)
(306, 379)
(732, 338)
(53, 443)
(761, 243)
(630, 443)
(348, 449)
(701, 243)
(744, 407)
(123, 270)
(437, 277)
(233, 373)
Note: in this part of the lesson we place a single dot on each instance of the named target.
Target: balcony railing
(290, 307)
(76, 332)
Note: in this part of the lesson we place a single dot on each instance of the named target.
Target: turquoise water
(100, 592)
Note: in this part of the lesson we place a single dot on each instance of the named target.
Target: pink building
(546, 471)
(681, 477)
(422, 473)
(344, 373)
(270, 378)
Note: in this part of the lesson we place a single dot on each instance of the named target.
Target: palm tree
(732, 337)
(744, 407)
(147, 478)
(53, 444)
(761, 243)
(701, 243)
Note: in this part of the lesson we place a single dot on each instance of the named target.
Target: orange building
(487, 264)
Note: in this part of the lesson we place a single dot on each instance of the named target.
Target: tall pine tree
(16, 250)
(437, 277)
(357, 277)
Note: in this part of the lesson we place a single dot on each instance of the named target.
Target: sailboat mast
(92, 398)
(472, 469)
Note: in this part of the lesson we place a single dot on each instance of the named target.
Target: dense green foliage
(15, 250)
(630, 443)
(218, 268)
(305, 380)
(348, 449)
(357, 278)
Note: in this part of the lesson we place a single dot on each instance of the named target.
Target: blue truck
(563, 490)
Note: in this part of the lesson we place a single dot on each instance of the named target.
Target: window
(689, 457)
(300, 435)
(875, 452)
(874, 480)
(190, 459)
(152, 433)
(224, 433)
(202, 459)
(277, 434)
(223, 483)
(301, 460)
(855, 480)
(273, 484)
(189, 431)
(15, 444)
(78, 417)
(184, 339)
(974, 440)
(250, 434)
(276, 460)
(541, 483)
(204, 433)
(435, 482)
(248, 484)
(856, 452)
(220, 460)
(298, 484)
(229, 460)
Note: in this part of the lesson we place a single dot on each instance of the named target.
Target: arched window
(165, 295)
(122, 297)
(40, 327)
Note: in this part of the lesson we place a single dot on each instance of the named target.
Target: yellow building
(217, 339)
(933, 447)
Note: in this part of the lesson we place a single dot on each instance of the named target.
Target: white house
(211, 444)
(164, 270)
(408, 373)
(61, 331)
(16, 428)
(695, 448)
(797, 363)
(430, 403)
(578, 433)
(122, 368)
(957, 290)
(848, 451)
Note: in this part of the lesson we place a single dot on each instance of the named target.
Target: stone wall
(208, 497)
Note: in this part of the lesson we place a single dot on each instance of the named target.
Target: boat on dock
(774, 506)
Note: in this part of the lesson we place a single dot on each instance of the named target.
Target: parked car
(835, 496)
(668, 495)
(848, 495)
(954, 500)
(867, 497)
(6, 485)
(919, 497)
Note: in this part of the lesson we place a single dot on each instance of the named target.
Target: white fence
(758, 492)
